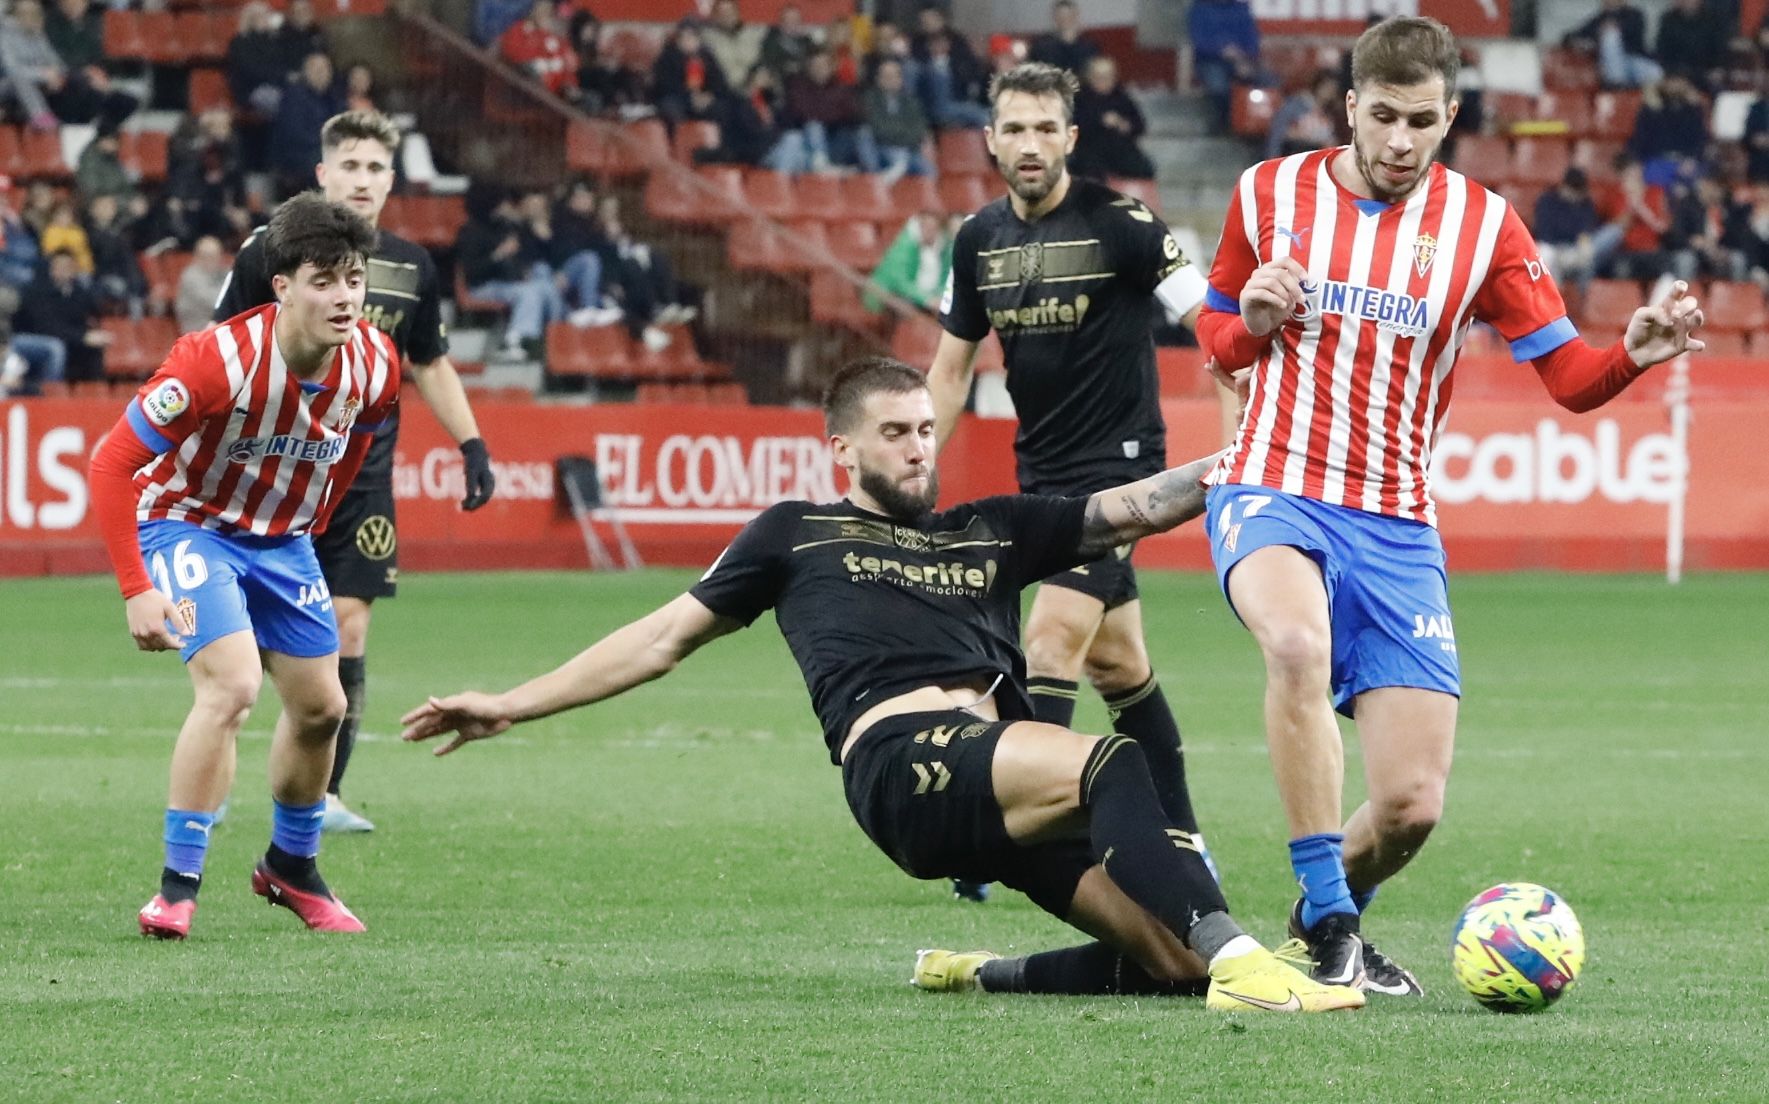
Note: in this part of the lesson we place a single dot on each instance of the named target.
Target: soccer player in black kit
(1073, 277)
(359, 551)
(905, 624)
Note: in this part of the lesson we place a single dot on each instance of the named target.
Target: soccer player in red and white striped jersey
(1347, 279)
(206, 492)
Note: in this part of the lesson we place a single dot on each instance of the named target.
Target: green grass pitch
(664, 897)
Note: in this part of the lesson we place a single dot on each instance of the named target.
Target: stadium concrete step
(1172, 114)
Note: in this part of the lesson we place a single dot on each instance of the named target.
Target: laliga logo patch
(166, 402)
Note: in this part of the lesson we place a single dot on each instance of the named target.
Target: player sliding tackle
(1347, 279)
(905, 623)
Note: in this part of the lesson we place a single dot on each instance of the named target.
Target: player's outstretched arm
(630, 655)
(948, 378)
(1136, 510)
(440, 385)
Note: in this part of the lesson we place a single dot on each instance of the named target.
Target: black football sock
(1092, 969)
(1156, 865)
(1142, 714)
(176, 887)
(351, 674)
(1053, 700)
(298, 870)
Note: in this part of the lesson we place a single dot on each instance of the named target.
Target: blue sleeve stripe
(1545, 340)
(359, 427)
(146, 431)
(1217, 301)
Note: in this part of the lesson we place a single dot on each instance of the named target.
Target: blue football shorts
(233, 582)
(1387, 595)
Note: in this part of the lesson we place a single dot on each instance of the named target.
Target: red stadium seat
(914, 340)
(602, 352)
(692, 135)
(771, 194)
(146, 152)
(1564, 68)
(856, 244)
(864, 195)
(163, 271)
(1608, 306)
(159, 38)
(11, 162)
(963, 195)
(835, 300)
(40, 155)
(1523, 197)
(123, 36)
(806, 244)
(679, 360)
(1485, 158)
(1735, 306)
(1572, 108)
(588, 147)
(208, 88)
(915, 195)
(1251, 111)
(754, 246)
(1612, 114)
(138, 347)
(468, 303)
(711, 197)
(1540, 161)
(1725, 343)
(1597, 158)
(962, 153)
(1506, 109)
(822, 197)
(194, 40)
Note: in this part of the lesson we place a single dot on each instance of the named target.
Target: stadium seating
(1538, 161)
(1607, 307)
(772, 194)
(963, 195)
(856, 244)
(208, 88)
(691, 136)
(913, 195)
(1735, 306)
(824, 197)
(138, 346)
(915, 339)
(835, 300)
(599, 352)
(961, 152)
(1251, 111)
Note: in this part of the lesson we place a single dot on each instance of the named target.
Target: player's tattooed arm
(1153, 505)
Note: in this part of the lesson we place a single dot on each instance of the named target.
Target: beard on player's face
(1043, 179)
(898, 497)
(1381, 185)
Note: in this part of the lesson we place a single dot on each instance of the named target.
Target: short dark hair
(1406, 50)
(859, 380)
(353, 126)
(1035, 78)
(310, 229)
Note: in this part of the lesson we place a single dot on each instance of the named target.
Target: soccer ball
(1517, 948)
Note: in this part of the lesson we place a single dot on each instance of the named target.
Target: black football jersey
(873, 607)
(1071, 297)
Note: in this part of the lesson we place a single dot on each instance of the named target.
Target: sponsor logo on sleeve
(166, 402)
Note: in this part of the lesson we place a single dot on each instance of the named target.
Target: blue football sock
(187, 840)
(1362, 898)
(295, 828)
(1320, 871)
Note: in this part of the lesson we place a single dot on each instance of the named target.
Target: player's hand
(1271, 294)
(150, 615)
(1664, 329)
(481, 482)
(470, 716)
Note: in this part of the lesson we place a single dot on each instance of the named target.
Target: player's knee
(1054, 649)
(228, 699)
(316, 716)
(1114, 667)
(1407, 817)
(1297, 653)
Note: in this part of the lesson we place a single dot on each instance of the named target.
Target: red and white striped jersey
(1349, 398)
(243, 443)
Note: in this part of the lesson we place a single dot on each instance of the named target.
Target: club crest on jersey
(1031, 262)
(912, 539)
(187, 614)
(166, 402)
(347, 414)
(1424, 248)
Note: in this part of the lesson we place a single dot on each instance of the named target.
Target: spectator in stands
(76, 30)
(737, 45)
(47, 89)
(1756, 135)
(828, 116)
(1672, 126)
(1701, 217)
(576, 267)
(117, 279)
(298, 38)
(1617, 36)
(1110, 124)
(913, 270)
(491, 18)
(19, 253)
(206, 177)
(604, 80)
(359, 88)
(538, 47)
(888, 43)
(100, 171)
(495, 267)
(1225, 51)
(1692, 42)
(200, 283)
(951, 79)
(751, 133)
(898, 127)
(294, 135)
(838, 41)
(1575, 243)
(39, 204)
(1644, 215)
(642, 280)
(59, 305)
(1063, 46)
(688, 80)
(788, 44)
(255, 73)
(1309, 118)
(64, 234)
(1750, 233)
